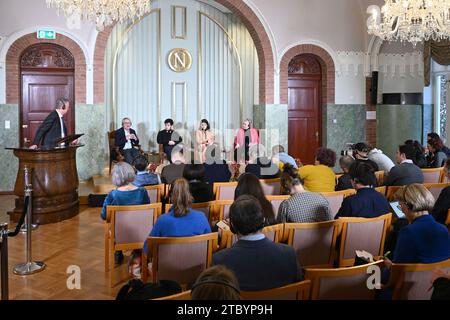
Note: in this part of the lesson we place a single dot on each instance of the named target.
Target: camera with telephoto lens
(349, 151)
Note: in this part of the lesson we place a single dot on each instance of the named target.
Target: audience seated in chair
(280, 157)
(442, 204)
(434, 135)
(261, 167)
(199, 189)
(258, 263)
(367, 202)
(143, 177)
(405, 172)
(216, 283)
(249, 184)
(419, 158)
(174, 171)
(383, 161)
(344, 182)
(181, 220)
(217, 171)
(423, 240)
(302, 206)
(436, 157)
(126, 193)
(127, 141)
(320, 177)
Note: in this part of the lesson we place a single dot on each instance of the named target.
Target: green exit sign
(46, 34)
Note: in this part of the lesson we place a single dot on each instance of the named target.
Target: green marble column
(9, 164)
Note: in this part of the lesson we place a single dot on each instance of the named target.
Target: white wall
(336, 25)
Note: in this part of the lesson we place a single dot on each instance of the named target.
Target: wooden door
(47, 74)
(305, 81)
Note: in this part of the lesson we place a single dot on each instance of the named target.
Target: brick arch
(13, 65)
(328, 71)
(255, 28)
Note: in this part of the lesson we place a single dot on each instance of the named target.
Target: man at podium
(53, 128)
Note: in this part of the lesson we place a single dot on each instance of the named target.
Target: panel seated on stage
(55, 184)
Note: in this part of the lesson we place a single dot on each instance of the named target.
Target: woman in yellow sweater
(320, 177)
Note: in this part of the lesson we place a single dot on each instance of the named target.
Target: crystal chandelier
(102, 12)
(410, 20)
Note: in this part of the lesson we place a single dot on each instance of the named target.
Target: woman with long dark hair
(204, 138)
(249, 184)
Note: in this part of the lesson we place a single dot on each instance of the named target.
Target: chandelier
(410, 20)
(102, 12)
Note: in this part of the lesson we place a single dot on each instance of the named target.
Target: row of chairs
(127, 227)
(409, 282)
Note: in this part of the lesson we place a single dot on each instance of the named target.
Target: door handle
(317, 136)
(25, 126)
(25, 140)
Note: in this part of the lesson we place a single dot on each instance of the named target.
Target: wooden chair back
(276, 202)
(380, 177)
(180, 259)
(271, 187)
(367, 234)
(341, 283)
(155, 193)
(412, 281)
(295, 291)
(433, 175)
(436, 188)
(314, 243)
(224, 190)
(390, 192)
(185, 295)
(335, 199)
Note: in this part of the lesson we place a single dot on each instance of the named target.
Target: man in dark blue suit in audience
(126, 140)
(367, 202)
(258, 263)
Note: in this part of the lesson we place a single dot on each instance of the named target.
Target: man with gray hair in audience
(280, 156)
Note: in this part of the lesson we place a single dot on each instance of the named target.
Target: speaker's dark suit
(50, 131)
(121, 140)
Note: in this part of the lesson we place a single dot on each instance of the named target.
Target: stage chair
(185, 295)
(180, 259)
(276, 202)
(224, 190)
(271, 187)
(295, 291)
(335, 199)
(433, 175)
(273, 233)
(411, 281)
(436, 188)
(126, 228)
(155, 193)
(366, 234)
(341, 283)
(314, 243)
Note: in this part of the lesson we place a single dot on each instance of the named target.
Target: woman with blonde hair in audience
(302, 206)
(216, 283)
(122, 176)
(320, 177)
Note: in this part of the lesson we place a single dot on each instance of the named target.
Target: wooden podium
(55, 184)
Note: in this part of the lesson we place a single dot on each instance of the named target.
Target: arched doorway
(304, 111)
(46, 74)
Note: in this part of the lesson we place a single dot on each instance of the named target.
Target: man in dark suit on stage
(126, 140)
(53, 127)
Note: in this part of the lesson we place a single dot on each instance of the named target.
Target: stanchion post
(30, 266)
(4, 261)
